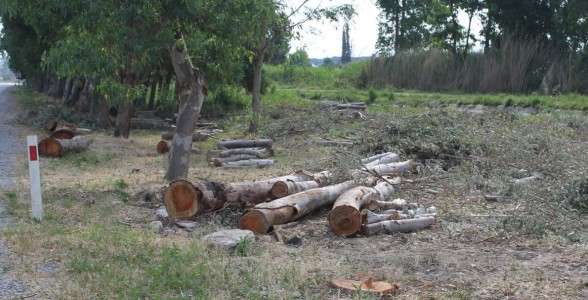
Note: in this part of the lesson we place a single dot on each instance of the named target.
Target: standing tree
(403, 25)
(346, 45)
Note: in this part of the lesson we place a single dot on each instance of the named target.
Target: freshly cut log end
(50, 147)
(345, 220)
(163, 147)
(62, 134)
(255, 221)
(279, 189)
(181, 199)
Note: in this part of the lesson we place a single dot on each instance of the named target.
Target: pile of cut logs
(242, 153)
(282, 200)
(64, 137)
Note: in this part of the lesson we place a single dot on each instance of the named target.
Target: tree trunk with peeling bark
(290, 208)
(345, 217)
(191, 93)
(408, 225)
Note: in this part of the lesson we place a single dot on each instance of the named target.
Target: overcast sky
(324, 39)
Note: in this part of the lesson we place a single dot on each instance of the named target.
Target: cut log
(351, 106)
(220, 161)
(232, 144)
(197, 137)
(184, 199)
(284, 188)
(390, 158)
(56, 147)
(164, 147)
(392, 168)
(365, 286)
(251, 193)
(64, 130)
(345, 217)
(258, 163)
(290, 208)
(257, 152)
(143, 123)
(398, 204)
(375, 157)
(408, 225)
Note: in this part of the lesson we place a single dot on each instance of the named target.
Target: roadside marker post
(35, 177)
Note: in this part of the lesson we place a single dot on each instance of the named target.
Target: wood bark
(67, 91)
(258, 163)
(196, 137)
(389, 158)
(55, 147)
(392, 168)
(345, 217)
(282, 189)
(375, 157)
(122, 127)
(221, 160)
(184, 199)
(257, 152)
(290, 208)
(408, 225)
(64, 130)
(164, 147)
(191, 91)
(256, 89)
(232, 144)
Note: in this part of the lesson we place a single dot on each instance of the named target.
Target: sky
(322, 39)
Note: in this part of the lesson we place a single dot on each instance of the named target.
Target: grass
(98, 232)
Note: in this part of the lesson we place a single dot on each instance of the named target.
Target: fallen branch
(231, 144)
(257, 152)
(408, 225)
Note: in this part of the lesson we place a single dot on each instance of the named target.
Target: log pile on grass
(64, 138)
(242, 153)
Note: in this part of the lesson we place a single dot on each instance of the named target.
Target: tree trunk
(196, 137)
(257, 152)
(345, 217)
(67, 91)
(83, 104)
(221, 160)
(386, 159)
(265, 215)
(122, 128)
(231, 144)
(75, 92)
(408, 225)
(102, 118)
(164, 147)
(375, 157)
(184, 199)
(55, 147)
(192, 93)
(256, 92)
(156, 80)
(392, 168)
(282, 189)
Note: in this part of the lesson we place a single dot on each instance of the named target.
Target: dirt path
(10, 145)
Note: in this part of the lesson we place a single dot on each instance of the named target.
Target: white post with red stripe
(35, 177)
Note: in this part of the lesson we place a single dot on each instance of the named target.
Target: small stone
(189, 226)
(161, 213)
(156, 226)
(296, 295)
(228, 239)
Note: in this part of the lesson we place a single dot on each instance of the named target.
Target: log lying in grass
(391, 168)
(232, 144)
(218, 162)
(185, 199)
(282, 189)
(351, 106)
(56, 147)
(345, 217)
(389, 158)
(370, 159)
(164, 147)
(257, 152)
(196, 137)
(251, 193)
(145, 123)
(408, 225)
(65, 130)
(369, 217)
(258, 163)
(290, 208)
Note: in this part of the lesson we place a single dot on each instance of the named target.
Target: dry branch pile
(242, 153)
(64, 137)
